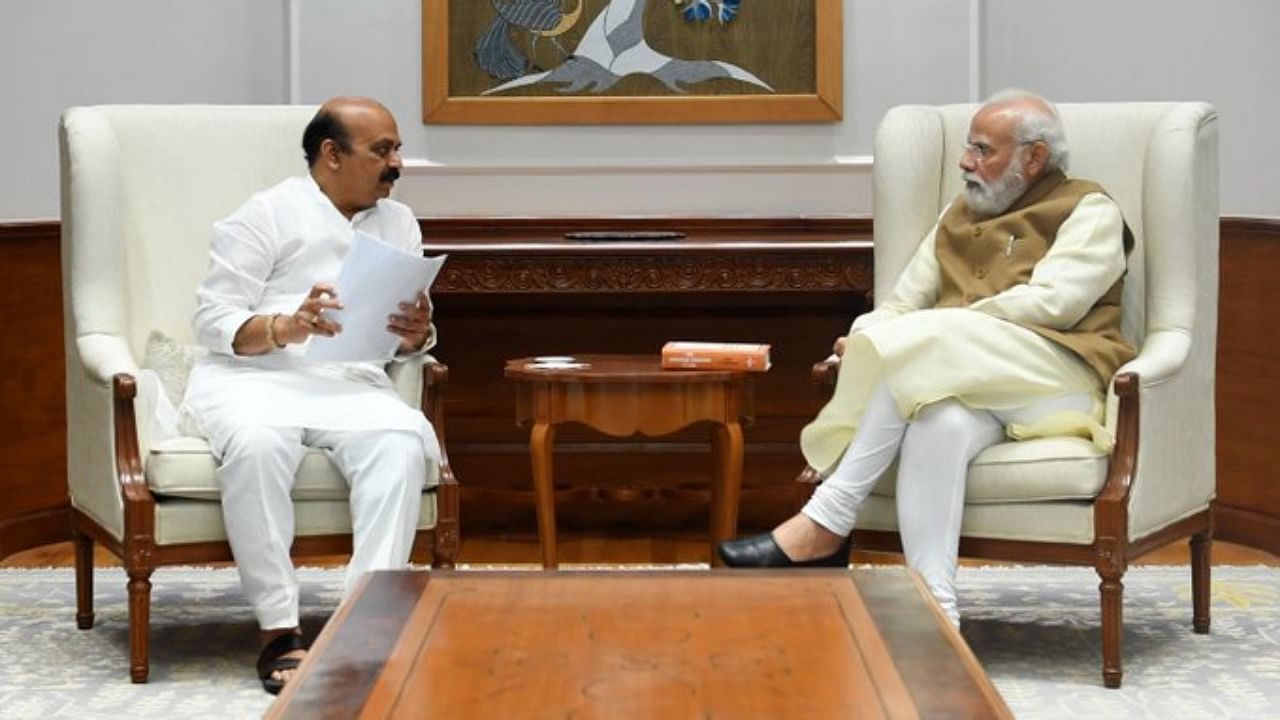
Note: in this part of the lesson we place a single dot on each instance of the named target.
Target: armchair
(141, 187)
(1059, 500)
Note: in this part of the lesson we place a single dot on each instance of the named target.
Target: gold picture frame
(478, 67)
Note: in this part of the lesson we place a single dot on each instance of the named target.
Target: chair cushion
(184, 467)
(1065, 521)
(1060, 468)
(180, 521)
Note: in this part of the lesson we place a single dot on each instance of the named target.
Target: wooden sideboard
(516, 287)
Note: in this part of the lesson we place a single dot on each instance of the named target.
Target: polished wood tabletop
(611, 369)
(624, 396)
(807, 644)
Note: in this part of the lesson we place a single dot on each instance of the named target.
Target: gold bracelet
(271, 331)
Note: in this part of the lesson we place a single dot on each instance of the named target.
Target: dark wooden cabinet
(514, 288)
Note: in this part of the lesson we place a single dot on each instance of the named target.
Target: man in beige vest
(1006, 322)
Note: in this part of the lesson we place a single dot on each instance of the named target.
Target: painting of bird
(495, 51)
(613, 47)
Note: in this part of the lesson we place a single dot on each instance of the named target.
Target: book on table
(696, 355)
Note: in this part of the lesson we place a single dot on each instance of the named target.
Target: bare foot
(803, 539)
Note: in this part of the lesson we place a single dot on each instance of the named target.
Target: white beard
(987, 200)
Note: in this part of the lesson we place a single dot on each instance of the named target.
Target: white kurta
(264, 259)
(978, 354)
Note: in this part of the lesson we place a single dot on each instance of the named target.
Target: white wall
(57, 53)
(1224, 51)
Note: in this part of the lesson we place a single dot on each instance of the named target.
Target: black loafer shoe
(762, 551)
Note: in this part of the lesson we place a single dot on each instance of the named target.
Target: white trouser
(385, 470)
(936, 449)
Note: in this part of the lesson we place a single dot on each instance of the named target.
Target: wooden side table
(626, 395)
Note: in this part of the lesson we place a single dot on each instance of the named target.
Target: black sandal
(270, 660)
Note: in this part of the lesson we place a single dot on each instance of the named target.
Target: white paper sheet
(375, 278)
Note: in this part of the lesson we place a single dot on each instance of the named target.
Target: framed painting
(631, 61)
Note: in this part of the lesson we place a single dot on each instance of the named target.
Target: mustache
(390, 175)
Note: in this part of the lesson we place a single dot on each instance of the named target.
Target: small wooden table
(625, 395)
(810, 644)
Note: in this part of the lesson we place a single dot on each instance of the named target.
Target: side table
(623, 396)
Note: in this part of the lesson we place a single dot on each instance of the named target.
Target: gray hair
(1036, 125)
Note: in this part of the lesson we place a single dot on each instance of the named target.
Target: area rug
(1033, 629)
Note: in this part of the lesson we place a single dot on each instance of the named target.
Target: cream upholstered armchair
(141, 188)
(1059, 499)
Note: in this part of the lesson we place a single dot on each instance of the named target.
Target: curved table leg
(726, 487)
(541, 444)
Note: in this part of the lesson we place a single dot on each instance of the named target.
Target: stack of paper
(375, 278)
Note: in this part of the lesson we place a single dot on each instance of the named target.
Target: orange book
(690, 355)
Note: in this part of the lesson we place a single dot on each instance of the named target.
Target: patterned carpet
(1033, 629)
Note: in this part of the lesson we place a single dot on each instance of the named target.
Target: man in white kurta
(1004, 323)
(263, 404)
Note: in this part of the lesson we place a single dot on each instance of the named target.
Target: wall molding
(293, 51)
(976, 51)
(838, 164)
(1231, 226)
(30, 230)
(1252, 226)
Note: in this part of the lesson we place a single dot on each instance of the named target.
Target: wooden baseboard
(42, 527)
(1247, 527)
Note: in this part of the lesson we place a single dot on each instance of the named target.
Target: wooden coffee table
(723, 644)
(626, 395)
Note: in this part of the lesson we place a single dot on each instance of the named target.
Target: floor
(637, 549)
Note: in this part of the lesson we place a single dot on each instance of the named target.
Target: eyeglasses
(984, 151)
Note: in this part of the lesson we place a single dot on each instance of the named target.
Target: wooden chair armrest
(825, 372)
(435, 379)
(133, 484)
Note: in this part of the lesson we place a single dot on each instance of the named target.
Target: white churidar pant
(933, 452)
(385, 470)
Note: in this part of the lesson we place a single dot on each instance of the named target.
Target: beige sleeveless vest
(980, 258)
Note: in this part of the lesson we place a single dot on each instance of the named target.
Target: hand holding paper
(375, 278)
(412, 324)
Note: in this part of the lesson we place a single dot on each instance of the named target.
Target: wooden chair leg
(1112, 590)
(447, 540)
(139, 623)
(1201, 543)
(83, 545)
